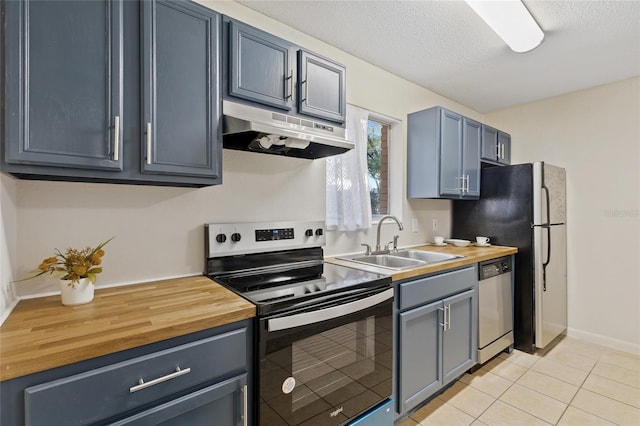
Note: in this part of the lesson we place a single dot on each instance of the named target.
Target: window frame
(394, 164)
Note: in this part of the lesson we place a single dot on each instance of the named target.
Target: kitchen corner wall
(595, 135)
(8, 242)
(159, 231)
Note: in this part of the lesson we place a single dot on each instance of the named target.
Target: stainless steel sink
(428, 257)
(386, 261)
(403, 259)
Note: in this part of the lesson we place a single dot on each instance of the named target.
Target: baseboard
(607, 341)
(9, 309)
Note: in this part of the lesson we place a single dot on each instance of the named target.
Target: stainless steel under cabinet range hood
(248, 128)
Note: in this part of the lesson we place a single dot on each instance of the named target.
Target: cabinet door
(420, 352)
(321, 87)
(489, 143)
(504, 143)
(221, 404)
(261, 67)
(64, 83)
(459, 342)
(181, 97)
(450, 153)
(471, 136)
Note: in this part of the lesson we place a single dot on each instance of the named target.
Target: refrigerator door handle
(546, 197)
(546, 262)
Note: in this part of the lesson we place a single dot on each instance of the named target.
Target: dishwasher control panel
(494, 267)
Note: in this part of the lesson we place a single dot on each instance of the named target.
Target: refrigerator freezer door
(550, 251)
(549, 194)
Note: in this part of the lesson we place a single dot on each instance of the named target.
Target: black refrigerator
(524, 206)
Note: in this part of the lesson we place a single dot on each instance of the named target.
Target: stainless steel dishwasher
(495, 308)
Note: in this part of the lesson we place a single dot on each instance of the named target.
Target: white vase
(77, 293)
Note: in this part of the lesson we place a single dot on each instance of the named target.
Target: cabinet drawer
(420, 291)
(98, 394)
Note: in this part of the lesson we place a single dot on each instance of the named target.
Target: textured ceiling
(445, 47)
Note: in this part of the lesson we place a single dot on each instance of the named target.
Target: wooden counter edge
(18, 362)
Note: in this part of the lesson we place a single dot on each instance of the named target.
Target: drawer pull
(142, 384)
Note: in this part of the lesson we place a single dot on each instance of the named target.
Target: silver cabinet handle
(502, 151)
(142, 384)
(245, 406)
(290, 78)
(306, 89)
(448, 310)
(444, 318)
(148, 143)
(467, 183)
(462, 188)
(116, 138)
(498, 150)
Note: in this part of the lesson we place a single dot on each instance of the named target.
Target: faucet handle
(368, 252)
(386, 246)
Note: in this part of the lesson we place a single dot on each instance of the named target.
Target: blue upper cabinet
(322, 87)
(471, 139)
(273, 72)
(451, 178)
(261, 67)
(180, 89)
(64, 83)
(496, 146)
(443, 155)
(504, 144)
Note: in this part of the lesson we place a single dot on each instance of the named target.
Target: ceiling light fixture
(511, 20)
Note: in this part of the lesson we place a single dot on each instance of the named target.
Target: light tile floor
(572, 383)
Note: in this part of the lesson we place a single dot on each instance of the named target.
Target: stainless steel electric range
(323, 331)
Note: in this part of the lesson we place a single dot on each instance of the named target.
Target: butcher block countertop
(471, 253)
(41, 333)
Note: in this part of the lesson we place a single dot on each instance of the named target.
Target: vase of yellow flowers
(79, 269)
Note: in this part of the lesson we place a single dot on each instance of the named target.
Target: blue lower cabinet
(382, 415)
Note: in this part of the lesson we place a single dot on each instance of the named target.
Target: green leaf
(92, 278)
(94, 271)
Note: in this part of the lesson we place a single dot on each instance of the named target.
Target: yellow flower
(73, 264)
(79, 270)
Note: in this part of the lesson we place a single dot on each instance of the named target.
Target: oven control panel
(274, 234)
(229, 239)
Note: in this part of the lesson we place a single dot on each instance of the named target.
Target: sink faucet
(380, 223)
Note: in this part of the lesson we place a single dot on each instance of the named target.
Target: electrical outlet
(434, 225)
(414, 225)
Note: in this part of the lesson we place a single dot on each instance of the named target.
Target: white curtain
(348, 202)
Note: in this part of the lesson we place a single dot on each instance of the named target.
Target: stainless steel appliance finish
(324, 331)
(525, 206)
(495, 308)
(248, 128)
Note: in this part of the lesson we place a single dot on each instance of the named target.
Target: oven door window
(326, 373)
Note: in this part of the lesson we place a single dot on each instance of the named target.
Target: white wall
(595, 135)
(8, 242)
(159, 231)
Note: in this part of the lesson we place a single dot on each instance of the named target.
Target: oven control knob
(319, 231)
(235, 237)
(221, 238)
(309, 232)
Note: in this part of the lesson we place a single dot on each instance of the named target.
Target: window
(378, 166)
(366, 183)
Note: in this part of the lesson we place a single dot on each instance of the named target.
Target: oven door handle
(306, 318)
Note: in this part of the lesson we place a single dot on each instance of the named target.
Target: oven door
(326, 365)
